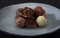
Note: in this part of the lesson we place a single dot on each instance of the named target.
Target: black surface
(55, 3)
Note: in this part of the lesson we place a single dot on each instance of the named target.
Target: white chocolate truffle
(41, 20)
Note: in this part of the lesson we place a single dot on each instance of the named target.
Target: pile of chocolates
(26, 17)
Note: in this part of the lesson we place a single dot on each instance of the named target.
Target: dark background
(55, 34)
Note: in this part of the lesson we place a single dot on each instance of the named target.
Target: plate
(8, 13)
